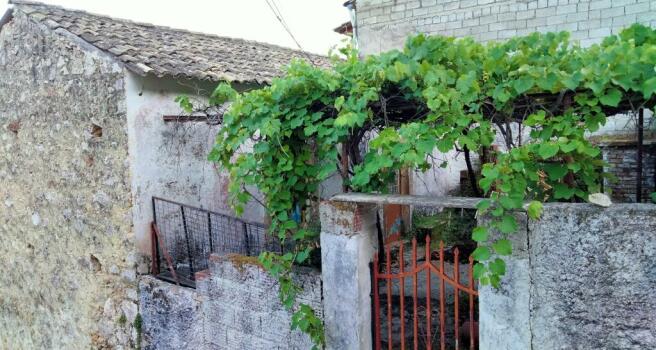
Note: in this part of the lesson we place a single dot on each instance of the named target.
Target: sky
(310, 21)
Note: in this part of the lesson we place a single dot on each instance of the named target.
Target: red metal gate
(390, 284)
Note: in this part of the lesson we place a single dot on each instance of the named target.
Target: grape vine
(536, 96)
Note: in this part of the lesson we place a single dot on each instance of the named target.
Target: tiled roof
(162, 51)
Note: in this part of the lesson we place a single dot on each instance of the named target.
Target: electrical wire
(276, 12)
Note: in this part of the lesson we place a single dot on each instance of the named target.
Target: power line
(276, 12)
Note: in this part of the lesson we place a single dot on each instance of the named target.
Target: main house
(84, 148)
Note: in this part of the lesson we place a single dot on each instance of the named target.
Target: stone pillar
(504, 314)
(348, 243)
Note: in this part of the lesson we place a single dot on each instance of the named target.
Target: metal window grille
(187, 236)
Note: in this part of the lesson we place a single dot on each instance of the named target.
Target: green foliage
(283, 138)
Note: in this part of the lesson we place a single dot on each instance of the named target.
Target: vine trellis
(537, 96)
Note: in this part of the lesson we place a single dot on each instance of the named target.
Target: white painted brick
(508, 16)
(370, 20)
(570, 27)
(562, 2)
(499, 26)
(488, 19)
(454, 25)
(599, 32)
(462, 32)
(508, 33)
(521, 24)
(412, 5)
(577, 17)
(536, 22)
(519, 6)
(646, 17)
(420, 12)
(590, 24)
(397, 15)
(594, 14)
(427, 3)
(620, 3)
(613, 12)
(532, 5)
(625, 20)
(636, 8)
(480, 29)
(579, 35)
(600, 4)
(562, 10)
(545, 12)
(553, 3)
(483, 2)
(491, 35)
(526, 14)
(398, 8)
(606, 22)
(471, 22)
(451, 5)
(584, 6)
(616, 30)
(653, 5)
(556, 19)
(433, 28)
(524, 32)
(468, 3)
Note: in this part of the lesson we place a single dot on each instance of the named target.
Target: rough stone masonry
(66, 250)
(582, 277)
(235, 306)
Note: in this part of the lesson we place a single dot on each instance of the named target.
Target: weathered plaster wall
(68, 276)
(169, 160)
(591, 281)
(236, 306)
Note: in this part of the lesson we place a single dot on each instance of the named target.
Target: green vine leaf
(611, 98)
(534, 210)
(393, 110)
(502, 247)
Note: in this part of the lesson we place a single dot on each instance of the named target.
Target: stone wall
(66, 248)
(586, 279)
(236, 306)
(385, 24)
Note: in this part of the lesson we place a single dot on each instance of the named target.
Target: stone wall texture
(385, 24)
(66, 248)
(235, 306)
(590, 281)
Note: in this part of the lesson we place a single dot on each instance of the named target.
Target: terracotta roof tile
(163, 51)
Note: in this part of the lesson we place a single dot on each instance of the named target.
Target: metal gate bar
(395, 270)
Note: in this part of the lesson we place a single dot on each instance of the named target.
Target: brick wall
(384, 24)
(623, 161)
